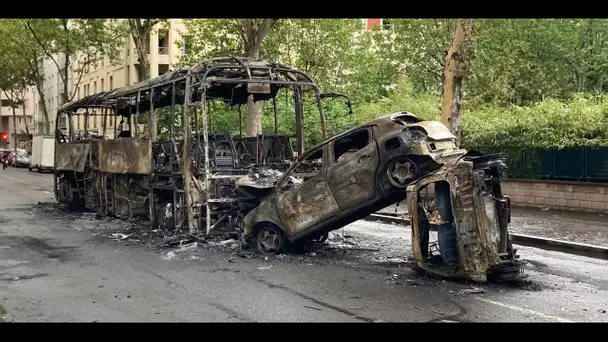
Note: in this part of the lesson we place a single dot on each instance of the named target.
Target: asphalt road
(56, 266)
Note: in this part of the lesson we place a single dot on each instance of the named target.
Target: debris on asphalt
(355, 308)
(264, 268)
(602, 311)
(228, 242)
(312, 307)
(472, 290)
(170, 255)
(120, 236)
(186, 247)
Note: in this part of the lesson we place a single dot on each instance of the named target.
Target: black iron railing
(574, 164)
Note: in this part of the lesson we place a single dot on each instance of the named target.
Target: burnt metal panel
(71, 156)
(129, 155)
(307, 205)
(352, 179)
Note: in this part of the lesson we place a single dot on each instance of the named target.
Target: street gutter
(576, 248)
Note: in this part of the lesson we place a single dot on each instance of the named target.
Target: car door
(352, 175)
(309, 203)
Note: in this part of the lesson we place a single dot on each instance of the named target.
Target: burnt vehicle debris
(359, 172)
(267, 187)
(460, 219)
(185, 181)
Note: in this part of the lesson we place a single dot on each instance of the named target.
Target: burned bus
(186, 180)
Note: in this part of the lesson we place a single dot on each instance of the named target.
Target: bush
(581, 121)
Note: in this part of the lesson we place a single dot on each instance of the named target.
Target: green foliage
(550, 123)
(79, 42)
(522, 91)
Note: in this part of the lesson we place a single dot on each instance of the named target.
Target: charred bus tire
(270, 240)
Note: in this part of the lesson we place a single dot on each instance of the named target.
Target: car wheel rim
(402, 172)
(270, 241)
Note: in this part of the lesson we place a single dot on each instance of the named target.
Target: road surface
(56, 266)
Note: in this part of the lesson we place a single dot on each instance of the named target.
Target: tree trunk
(27, 128)
(455, 70)
(66, 80)
(252, 40)
(140, 32)
(254, 117)
(14, 126)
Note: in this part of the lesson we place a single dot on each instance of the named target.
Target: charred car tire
(270, 240)
(401, 171)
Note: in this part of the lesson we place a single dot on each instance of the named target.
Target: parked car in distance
(361, 171)
(19, 158)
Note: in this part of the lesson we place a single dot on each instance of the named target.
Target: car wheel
(270, 240)
(401, 171)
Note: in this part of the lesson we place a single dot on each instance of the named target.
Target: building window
(95, 87)
(5, 103)
(20, 120)
(111, 85)
(102, 89)
(163, 42)
(79, 92)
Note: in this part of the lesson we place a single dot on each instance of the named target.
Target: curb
(576, 248)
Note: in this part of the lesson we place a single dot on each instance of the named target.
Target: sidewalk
(561, 225)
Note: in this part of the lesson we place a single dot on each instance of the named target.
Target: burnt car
(460, 220)
(357, 173)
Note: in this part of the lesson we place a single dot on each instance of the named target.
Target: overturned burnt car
(460, 219)
(359, 172)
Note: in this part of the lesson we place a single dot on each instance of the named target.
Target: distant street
(56, 266)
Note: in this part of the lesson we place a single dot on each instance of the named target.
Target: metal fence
(574, 164)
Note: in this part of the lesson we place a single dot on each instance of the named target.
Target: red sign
(4, 137)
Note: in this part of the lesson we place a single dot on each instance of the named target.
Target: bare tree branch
(87, 61)
(33, 32)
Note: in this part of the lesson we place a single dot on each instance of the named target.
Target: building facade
(164, 51)
(23, 118)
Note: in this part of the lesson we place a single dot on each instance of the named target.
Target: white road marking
(520, 309)
(15, 179)
(10, 198)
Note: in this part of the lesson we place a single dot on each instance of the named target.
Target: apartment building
(164, 51)
(19, 138)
